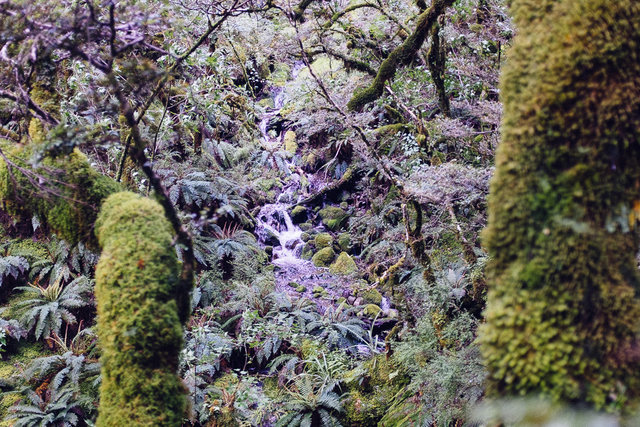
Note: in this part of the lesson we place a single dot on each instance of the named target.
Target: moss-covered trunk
(138, 320)
(563, 312)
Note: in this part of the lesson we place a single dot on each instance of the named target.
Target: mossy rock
(269, 250)
(298, 214)
(290, 142)
(323, 240)
(333, 217)
(318, 289)
(323, 257)
(305, 226)
(305, 237)
(268, 184)
(371, 310)
(371, 296)
(307, 251)
(343, 265)
(301, 288)
(344, 241)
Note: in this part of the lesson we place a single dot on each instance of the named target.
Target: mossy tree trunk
(436, 59)
(138, 315)
(563, 313)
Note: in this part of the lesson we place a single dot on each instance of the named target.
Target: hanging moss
(562, 315)
(64, 192)
(138, 323)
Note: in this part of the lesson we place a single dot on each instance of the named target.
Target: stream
(274, 227)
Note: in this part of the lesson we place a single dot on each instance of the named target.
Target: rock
(269, 237)
(301, 288)
(291, 244)
(307, 251)
(298, 214)
(269, 250)
(323, 240)
(305, 226)
(333, 217)
(371, 296)
(319, 291)
(344, 265)
(346, 293)
(351, 300)
(341, 300)
(344, 241)
(344, 205)
(305, 237)
(358, 301)
(290, 143)
(323, 257)
(372, 310)
(293, 284)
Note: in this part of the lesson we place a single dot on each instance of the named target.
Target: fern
(308, 403)
(49, 307)
(12, 266)
(58, 410)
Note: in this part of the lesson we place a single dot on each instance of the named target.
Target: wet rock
(307, 251)
(333, 217)
(323, 240)
(268, 237)
(344, 265)
(305, 237)
(323, 257)
(299, 215)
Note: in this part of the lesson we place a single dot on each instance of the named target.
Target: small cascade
(274, 222)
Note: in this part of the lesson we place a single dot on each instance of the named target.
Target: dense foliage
(294, 197)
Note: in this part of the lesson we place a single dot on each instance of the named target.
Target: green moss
(333, 217)
(301, 288)
(343, 265)
(323, 257)
(307, 250)
(323, 240)
(68, 209)
(371, 296)
(138, 315)
(305, 226)
(298, 214)
(562, 308)
(290, 143)
(371, 310)
(344, 241)
(369, 399)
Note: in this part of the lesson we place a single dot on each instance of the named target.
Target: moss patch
(333, 217)
(323, 257)
(343, 265)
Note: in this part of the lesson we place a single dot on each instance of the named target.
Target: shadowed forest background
(247, 213)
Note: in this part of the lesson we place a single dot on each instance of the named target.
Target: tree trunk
(562, 315)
